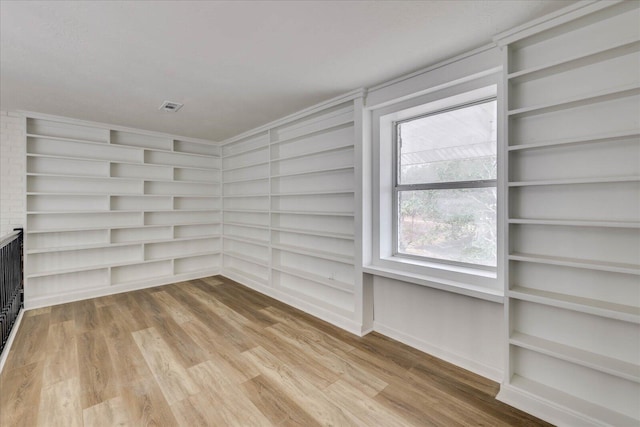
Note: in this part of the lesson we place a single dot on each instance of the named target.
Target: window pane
(455, 225)
(456, 145)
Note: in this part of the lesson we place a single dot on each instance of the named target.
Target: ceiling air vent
(171, 107)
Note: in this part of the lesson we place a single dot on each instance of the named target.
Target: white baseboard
(544, 409)
(469, 364)
(63, 298)
(341, 322)
(12, 335)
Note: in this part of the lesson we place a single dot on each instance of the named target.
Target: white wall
(12, 172)
(459, 326)
(460, 329)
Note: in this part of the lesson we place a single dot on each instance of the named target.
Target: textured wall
(12, 172)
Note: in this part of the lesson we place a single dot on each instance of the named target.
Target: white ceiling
(234, 65)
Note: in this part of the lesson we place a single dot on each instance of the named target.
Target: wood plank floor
(211, 352)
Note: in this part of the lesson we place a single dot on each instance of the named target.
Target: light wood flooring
(211, 352)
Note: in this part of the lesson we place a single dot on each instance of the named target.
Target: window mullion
(447, 185)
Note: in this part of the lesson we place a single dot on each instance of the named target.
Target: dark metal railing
(11, 277)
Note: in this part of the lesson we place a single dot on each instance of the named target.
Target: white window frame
(463, 279)
(397, 187)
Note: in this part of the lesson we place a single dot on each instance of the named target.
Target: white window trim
(475, 282)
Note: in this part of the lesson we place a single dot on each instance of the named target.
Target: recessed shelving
(248, 225)
(313, 171)
(576, 101)
(627, 313)
(599, 180)
(246, 210)
(103, 205)
(573, 62)
(246, 274)
(610, 137)
(243, 152)
(345, 287)
(313, 193)
(572, 133)
(319, 233)
(248, 258)
(581, 406)
(318, 213)
(345, 259)
(248, 165)
(578, 263)
(246, 240)
(262, 178)
(59, 138)
(298, 173)
(576, 223)
(312, 153)
(585, 358)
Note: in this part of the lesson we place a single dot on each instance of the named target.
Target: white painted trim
(12, 336)
(474, 291)
(342, 322)
(543, 408)
(434, 66)
(462, 69)
(69, 120)
(559, 17)
(469, 364)
(349, 96)
(64, 298)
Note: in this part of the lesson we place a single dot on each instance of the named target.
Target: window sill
(474, 291)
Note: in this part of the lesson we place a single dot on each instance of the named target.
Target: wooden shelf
(160, 150)
(82, 159)
(571, 94)
(344, 287)
(312, 153)
(78, 212)
(249, 165)
(181, 256)
(598, 362)
(131, 166)
(626, 313)
(312, 193)
(560, 398)
(244, 196)
(264, 178)
(84, 177)
(261, 211)
(85, 268)
(247, 258)
(318, 213)
(603, 180)
(610, 137)
(342, 236)
(177, 181)
(577, 101)
(58, 138)
(314, 171)
(613, 267)
(242, 224)
(332, 126)
(251, 241)
(576, 223)
(249, 150)
(331, 256)
(573, 62)
(245, 274)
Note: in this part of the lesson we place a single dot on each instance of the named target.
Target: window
(444, 193)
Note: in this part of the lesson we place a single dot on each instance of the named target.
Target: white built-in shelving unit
(572, 121)
(110, 209)
(290, 211)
